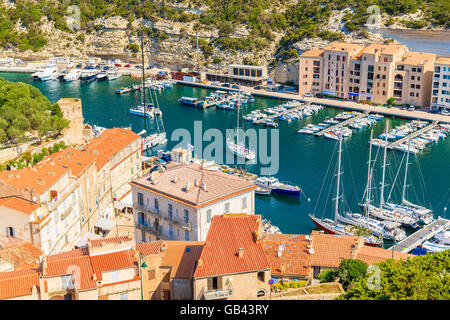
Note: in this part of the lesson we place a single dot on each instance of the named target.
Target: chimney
(283, 268)
(175, 179)
(43, 263)
(199, 263)
(197, 182)
(52, 162)
(354, 250)
(241, 253)
(204, 186)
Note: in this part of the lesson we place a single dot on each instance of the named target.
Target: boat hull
(290, 193)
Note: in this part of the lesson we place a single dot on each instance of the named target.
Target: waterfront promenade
(349, 105)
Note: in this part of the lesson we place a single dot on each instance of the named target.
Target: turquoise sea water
(303, 159)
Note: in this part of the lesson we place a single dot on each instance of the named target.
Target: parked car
(127, 65)
(117, 65)
(235, 86)
(160, 162)
(434, 111)
(258, 87)
(138, 66)
(215, 83)
(411, 108)
(226, 85)
(444, 112)
(319, 95)
(308, 94)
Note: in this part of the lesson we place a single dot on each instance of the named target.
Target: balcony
(181, 224)
(218, 294)
(148, 210)
(144, 225)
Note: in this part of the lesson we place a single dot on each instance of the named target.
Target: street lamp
(142, 265)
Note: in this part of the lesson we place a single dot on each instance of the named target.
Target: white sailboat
(238, 148)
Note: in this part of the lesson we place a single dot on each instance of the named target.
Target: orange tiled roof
(113, 261)
(18, 283)
(330, 249)
(227, 234)
(294, 259)
(443, 60)
(417, 58)
(371, 255)
(23, 255)
(313, 53)
(182, 257)
(77, 161)
(38, 178)
(218, 184)
(109, 143)
(19, 204)
(344, 46)
(98, 242)
(149, 248)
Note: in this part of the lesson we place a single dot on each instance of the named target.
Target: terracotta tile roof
(443, 60)
(371, 255)
(69, 263)
(417, 58)
(98, 242)
(330, 249)
(149, 248)
(113, 261)
(77, 161)
(218, 184)
(19, 204)
(109, 143)
(294, 259)
(18, 283)
(103, 298)
(38, 178)
(351, 48)
(182, 257)
(23, 255)
(227, 234)
(313, 53)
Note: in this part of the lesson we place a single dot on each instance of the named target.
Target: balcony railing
(218, 294)
(148, 210)
(182, 224)
(144, 225)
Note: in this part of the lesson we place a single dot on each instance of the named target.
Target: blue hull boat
(290, 193)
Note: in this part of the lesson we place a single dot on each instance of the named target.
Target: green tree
(327, 275)
(351, 270)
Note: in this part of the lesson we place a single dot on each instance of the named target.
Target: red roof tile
(19, 204)
(182, 257)
(77, 161)
(149, 248)
(109, 143)
(18, 283)
(23, 255)
(113, 261)
(98, 242)
(227, 234)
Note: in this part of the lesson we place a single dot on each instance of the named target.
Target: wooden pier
(341, 124)
(427, 232)
(392, 145)
(274, 116)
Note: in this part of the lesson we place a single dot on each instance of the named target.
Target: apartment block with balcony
(414, 72)
(310, 71)
(336, 68)
(440, 91)
(56, 226)
(232, 265)
(179, 203)
(372, 72)
(118, 154)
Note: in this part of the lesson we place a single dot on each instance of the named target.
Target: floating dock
(392, 145)
(427, 232)
(341, 124)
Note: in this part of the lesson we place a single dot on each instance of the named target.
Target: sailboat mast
(406, 172)
(369, 176)
(384, 166)
(143, 79)
(237, 119)
(336, 207)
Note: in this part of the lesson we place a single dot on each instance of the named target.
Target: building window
(212, 283)
(208, 216)
(261, 276)
(186, 235)
(66, 282)
(170, 231)
(156, 205)
(10, 232)
(115, 276)
(244, 203)
(170, 209)
(186, 216)
(151, 274)
(261, 293)
(143, 236)
(140, 198)
(227, 207)
(124, 296)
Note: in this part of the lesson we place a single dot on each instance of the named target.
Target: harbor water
(303, 159)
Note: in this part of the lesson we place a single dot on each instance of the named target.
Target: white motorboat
(49, 73)
(277, 187)
(72, 75)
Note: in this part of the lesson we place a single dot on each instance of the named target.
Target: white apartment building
(440, 91)
(180, 202)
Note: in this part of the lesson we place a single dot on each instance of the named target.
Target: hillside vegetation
(19, 24)
(23, 109)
